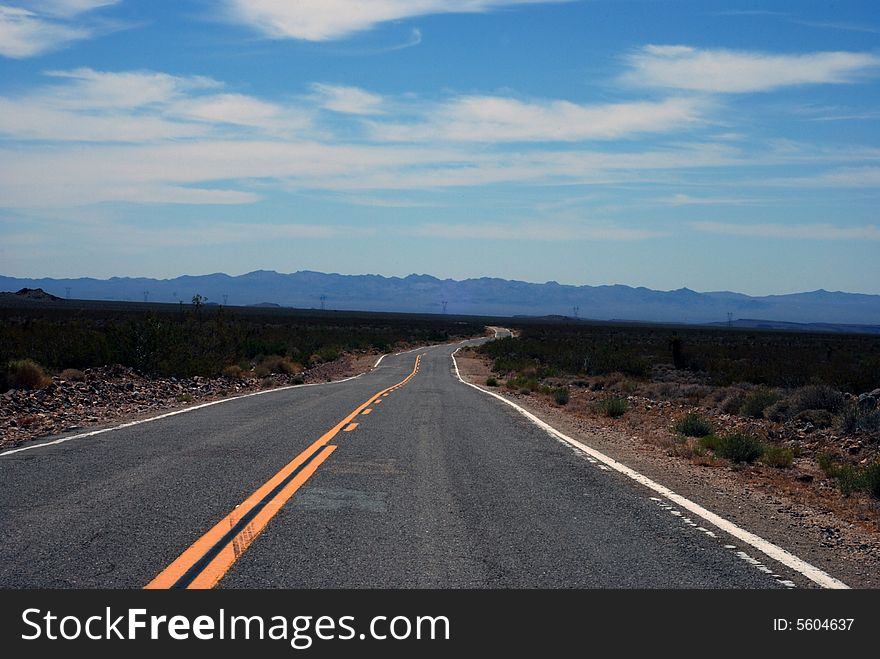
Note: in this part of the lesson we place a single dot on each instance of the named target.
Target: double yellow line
(209, 558)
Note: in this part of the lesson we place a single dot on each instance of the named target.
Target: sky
(667, 144)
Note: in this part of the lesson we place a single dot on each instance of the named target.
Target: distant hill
(484, 296)
(842, 328)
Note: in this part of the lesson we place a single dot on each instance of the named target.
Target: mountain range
(483, 296)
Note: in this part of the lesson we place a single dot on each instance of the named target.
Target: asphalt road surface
(437, 485)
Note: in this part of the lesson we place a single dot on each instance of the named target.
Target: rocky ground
(798, 507)
(115, 393)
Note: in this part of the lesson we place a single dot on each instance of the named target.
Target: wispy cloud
(847, 177)
(347, 100)
(733, 71)
(688, 200)
(500, 119)
(89, 136)
(532, 231)
(836, 25)
(85, 105)
(39, 27)
(791, 231)
(324, 20)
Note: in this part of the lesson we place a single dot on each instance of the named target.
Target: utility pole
(146, 296)
(323, 299)
(225, 297)
(729, 320)
(444, 303)
(576, 312)
(67, 288)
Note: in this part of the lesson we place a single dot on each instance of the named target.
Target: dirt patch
(797, 508)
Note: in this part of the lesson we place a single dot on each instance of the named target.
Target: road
(403, 477)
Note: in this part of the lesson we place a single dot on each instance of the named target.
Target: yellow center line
(204, 563)
(367, 411)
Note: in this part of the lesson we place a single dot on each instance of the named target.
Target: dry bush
(27, 374)
(233, 372)
(72, 375)
(278, 364)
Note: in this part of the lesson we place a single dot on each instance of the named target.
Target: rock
(867, 402)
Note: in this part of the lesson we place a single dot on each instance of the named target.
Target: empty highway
(404, 477)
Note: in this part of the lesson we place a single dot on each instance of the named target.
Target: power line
(444, 303)
(323, 299)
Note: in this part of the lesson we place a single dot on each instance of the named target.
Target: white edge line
(378, 361)
(775, 552)
(170, 414)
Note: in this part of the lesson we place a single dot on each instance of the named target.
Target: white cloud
(26, 34)
(732, 71)
(532, 231)
(499, 119)
(323, 20)
(791, 231)
(231, 109)
(688, 200)
(101, 90)
(69, 7)
(849, 177)
(347, 100)
(137, 106)
(42, 26)
(29, 119)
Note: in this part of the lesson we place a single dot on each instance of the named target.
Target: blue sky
(712, 145)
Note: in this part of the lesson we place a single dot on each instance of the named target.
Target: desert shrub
(561, 395)
(711, 442)
(72, 375)
(491, 382)
(740, 447)
(185, 398)
(261, 371)
(851, 478)
(613, 407)
(819, 418)
(26, 374)
(629, 386)
(856, 419)
(817, 397)
(848, 477)
(279, 364)
(777, 456)
(734, 402)
(757, 401)
(780, 411)
(693, 425)
(233, 372)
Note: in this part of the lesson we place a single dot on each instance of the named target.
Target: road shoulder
(846, 550)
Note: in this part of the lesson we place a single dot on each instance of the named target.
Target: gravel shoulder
(835, 533)
(114, 394)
